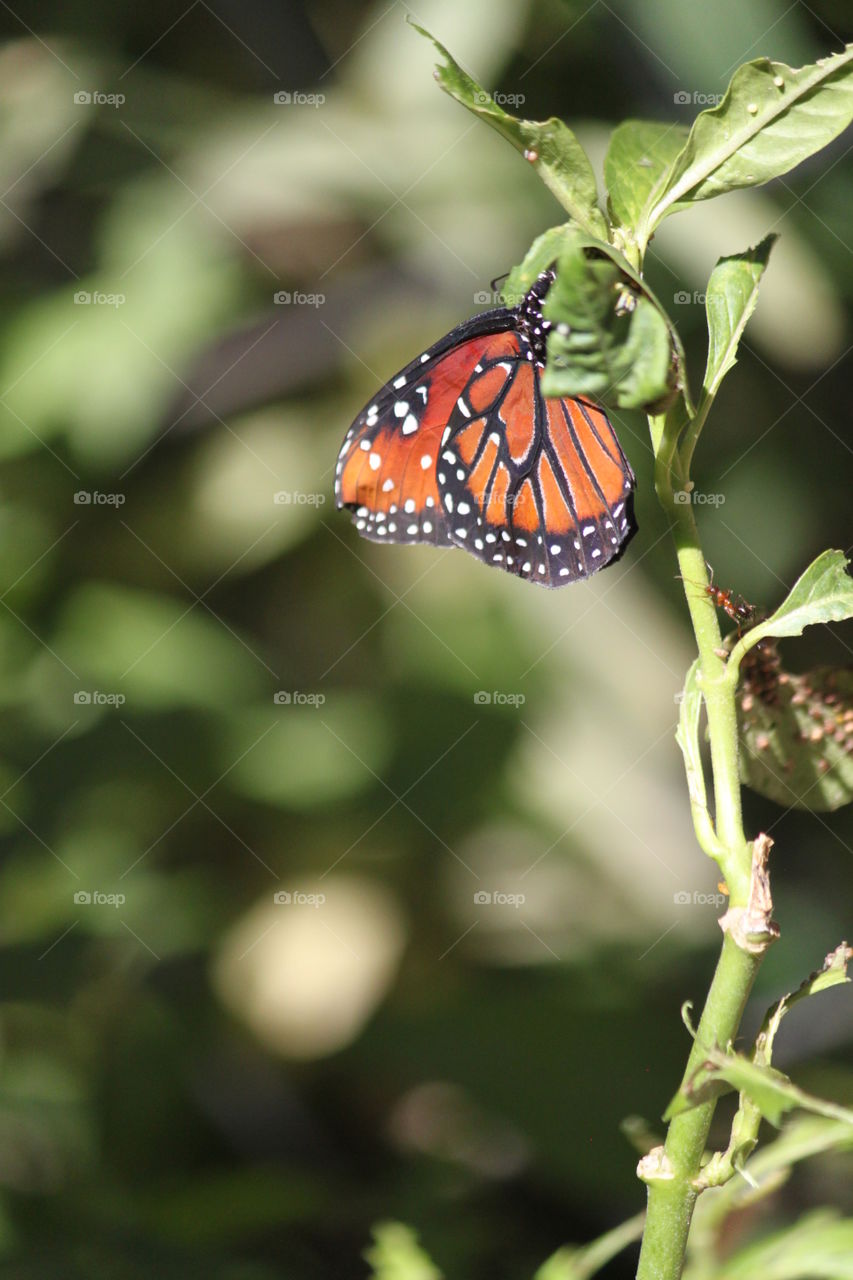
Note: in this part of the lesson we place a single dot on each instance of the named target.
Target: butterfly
(461, 449)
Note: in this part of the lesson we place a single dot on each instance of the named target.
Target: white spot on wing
(410, 424)
(426, 461)
(375, 461)
(401, 408)
(387, 485)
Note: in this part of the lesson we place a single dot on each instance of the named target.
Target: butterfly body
(462, 449)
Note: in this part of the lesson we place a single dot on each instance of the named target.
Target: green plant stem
(672, 1193)
(672, 1199)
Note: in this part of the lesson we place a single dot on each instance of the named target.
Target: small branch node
(655, 1167)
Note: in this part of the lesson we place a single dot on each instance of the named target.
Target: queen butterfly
(462, 449)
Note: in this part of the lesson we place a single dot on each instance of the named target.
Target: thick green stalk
(673, 1197)
(671, 1175)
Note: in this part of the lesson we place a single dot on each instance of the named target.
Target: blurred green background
(198, 1077)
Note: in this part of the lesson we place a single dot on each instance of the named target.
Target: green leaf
(796, 732)
(803, 1137)
(549, 145)
(396, 1255)
(758, 1083)
(770, 1090)
(543, 253)
(579, 1263)
(832, 972)
(639, 157)
(729, 302)
(817, 1247)
(824, 593)
(772, 117)
(687, 734)
(609, 342)
(687, 737)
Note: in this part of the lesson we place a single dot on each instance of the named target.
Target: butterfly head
(532, 325)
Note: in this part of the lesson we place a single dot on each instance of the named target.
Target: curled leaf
(610, 341)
